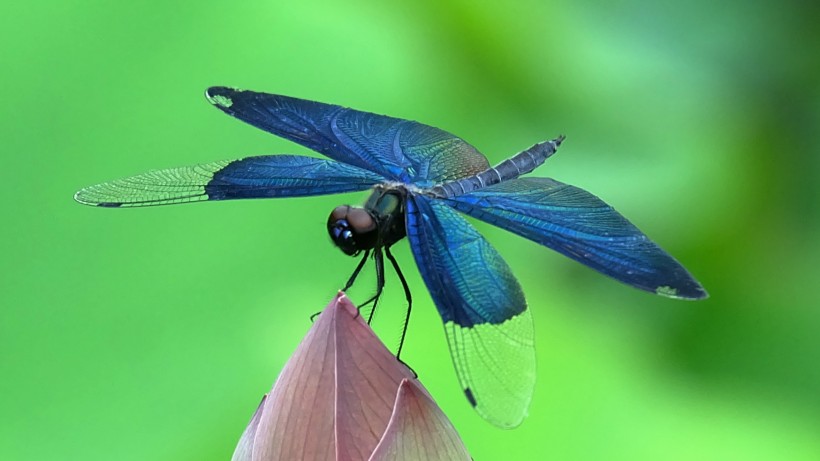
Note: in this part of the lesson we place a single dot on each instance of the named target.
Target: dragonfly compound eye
(352, 229)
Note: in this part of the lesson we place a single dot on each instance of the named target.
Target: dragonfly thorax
(380, 223)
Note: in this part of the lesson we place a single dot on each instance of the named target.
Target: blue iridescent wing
(488, 326)
(400, 150)
(580, 225)
(251, 177)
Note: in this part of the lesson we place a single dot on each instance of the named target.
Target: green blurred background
(152, 333)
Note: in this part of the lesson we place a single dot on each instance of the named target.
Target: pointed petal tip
(418, 429)
(244, 449)
(412, 387)
(341, 301)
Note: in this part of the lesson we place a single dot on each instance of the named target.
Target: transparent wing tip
(83, 196)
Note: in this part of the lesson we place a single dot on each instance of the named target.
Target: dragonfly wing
(251, 177)
(581, 226)
(398, 149)
(488, 326)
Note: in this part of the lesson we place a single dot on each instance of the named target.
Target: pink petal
(334, 397)
(418, 429)
(244, 448)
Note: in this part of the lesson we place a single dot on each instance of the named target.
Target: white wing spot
(221, 100)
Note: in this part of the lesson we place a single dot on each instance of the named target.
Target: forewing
(488, 326)
(580, 225)
(251, 177)
(400, 150)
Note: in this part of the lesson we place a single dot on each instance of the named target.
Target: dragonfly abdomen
(515, 166)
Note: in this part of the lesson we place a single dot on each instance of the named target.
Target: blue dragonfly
(422, 179)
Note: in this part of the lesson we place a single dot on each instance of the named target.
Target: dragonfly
(423, 181)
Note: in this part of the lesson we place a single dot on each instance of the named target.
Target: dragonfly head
(352, 229)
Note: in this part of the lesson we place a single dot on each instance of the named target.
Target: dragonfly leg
(377, 256)
(409, 299)
(415, 375)
(356, 272)
(350, 280)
